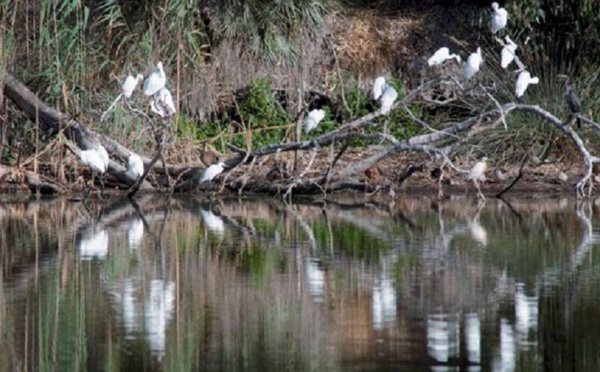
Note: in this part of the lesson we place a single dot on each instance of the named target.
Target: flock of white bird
(162, 104)
(471, 67)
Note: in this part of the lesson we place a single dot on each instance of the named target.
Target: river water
(187, 284)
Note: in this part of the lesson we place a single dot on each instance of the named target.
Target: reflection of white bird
(313, 119)
(442, 55)
(94, 245)
(473, 63)
(165, 99)
(499, 18)
(506, 360)
(377, 87)
(130, 307)
(478, 232)
(473, 337)
(159, 309)
(213, 222)
(130, 84)
(523, 81)
(384, 303)
(315, 276)
(135, 165)
(443, 337)
(526, 312)
(135, 233)
(155, 81)
(211, 172)
(507, 55)
(388, 97)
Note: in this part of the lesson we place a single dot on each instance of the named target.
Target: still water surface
(183, 284)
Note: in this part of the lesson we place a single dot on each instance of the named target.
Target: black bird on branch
(573, 101)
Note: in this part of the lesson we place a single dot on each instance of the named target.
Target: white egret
(211, 172)
(442, 55)
(135, 165)
(388, 96)
(155, 81)
(477, 174)
(130, 84)
(508, 52)
(157, 108)
(473, 63)
(499, 18)
(127, 89)
(523, 81)
(313, 119)
(97, 159)
(165, 99)
(377, 87)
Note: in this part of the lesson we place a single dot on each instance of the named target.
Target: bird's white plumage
(313, 119)
(508, 52)
(477, 173)
(130, 84)
(97, 159)
(157, 108)
(499, 18)
(377, 87)
(211, 172)
(441, 55)
(523, 81)
(135, 165)
(155, 81)
(165, 99)
(388, 96)
(473, 63)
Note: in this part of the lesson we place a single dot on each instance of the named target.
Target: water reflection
(411, 284)
(93, 243)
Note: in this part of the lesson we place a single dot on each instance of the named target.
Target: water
(415, 285)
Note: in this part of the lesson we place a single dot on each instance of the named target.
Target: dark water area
(185, 284)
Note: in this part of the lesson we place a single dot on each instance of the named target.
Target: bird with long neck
(573, 101)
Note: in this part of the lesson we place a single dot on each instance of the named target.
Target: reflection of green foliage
(257, 262)
(351, 239)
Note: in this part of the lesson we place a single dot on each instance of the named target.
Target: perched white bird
(523, 81)
(377, 87)
(157, 108)
(508, 52)
(499, 18)
(155, 81)
(473, 63)
(313, 119)
(96, 159)
(442, 55)
(388, 97)
(135, 165)
(130, 84)
(165, 99)
(211, 172)
(477, 173)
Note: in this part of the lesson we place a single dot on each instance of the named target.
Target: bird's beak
(562, 76)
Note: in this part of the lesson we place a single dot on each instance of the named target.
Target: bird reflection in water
(94, 245)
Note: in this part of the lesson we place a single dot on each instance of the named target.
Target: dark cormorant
(573, 101)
